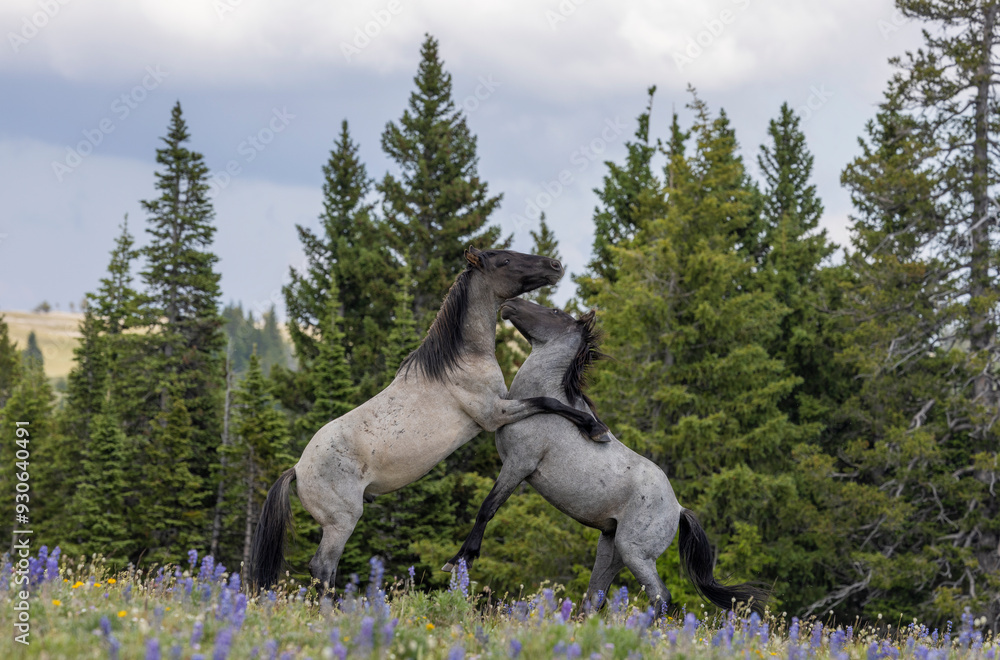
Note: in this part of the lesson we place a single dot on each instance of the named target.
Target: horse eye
(505, 262)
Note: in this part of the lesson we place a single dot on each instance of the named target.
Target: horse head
(512, 273)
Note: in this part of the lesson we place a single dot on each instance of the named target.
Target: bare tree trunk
(248, 527)
(980, 335)
(220, 494)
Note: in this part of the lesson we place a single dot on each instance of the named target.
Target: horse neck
(479, 327)
(542, 372)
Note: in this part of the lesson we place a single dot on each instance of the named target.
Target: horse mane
(440, 350)
(575, 378)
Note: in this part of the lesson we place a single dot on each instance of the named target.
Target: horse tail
(267, 554)
(698, 561)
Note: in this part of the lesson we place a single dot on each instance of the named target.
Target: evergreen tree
(438, 205)
(403, 339)
(330, 375)
(692, 384)
(255, 459)
(546, 245)
(9, 363)
(794, 250)
(32, 353)
(183, 349)
(630, 197)
(353, 247)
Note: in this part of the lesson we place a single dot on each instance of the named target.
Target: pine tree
(403, 339)
(330, 375)
(794, 251)
(692, 384)
(256, 457)
(546, 245)
(438, 205)
(353, 247)
(32, 353)
(10, 364)
(184, 346)
(629, 199)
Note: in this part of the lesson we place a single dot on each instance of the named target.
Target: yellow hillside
(57, 332)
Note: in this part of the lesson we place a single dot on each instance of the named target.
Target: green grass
(87, 611)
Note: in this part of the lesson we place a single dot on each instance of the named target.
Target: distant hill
(57, 333)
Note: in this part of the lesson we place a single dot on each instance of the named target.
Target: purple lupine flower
(365, 634)
(192, 558)
(573, 651)
(113, 647)
(225, 604)
(388, 630)
(207, 566)
(239, 611)
(196, 633)
(559, 648)
(52, 564)
(620, 600)
(234, 582)
(413, 574)
(567, 610)
(176, 652)
(515, 648)
(456, 653)
(460, 580)
(339, 651)
(127, 593)
(188, 586)
(271, 647)
(816, 639)
(105, 626)
(223, 644)
(220, 570)
(153, 649)
(793, 630)
(690, 625)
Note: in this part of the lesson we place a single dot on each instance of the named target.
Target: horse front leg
(510, 477)
(508, 411)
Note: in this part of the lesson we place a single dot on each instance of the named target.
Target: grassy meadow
(82, 609)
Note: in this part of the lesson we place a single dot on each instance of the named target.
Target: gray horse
(445, 392)
(607, 486)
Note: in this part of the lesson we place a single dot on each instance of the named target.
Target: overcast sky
(87, 87)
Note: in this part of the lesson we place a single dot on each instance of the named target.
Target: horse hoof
(604, 437)
(448, 568)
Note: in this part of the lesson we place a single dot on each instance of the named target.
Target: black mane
(575, 378)
(440, 350)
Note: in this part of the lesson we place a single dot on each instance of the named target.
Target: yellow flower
(97, 584)
(111, 580)
(78, 584)
(430, 626)
(122, 614)
(57, 602)
(168, 609)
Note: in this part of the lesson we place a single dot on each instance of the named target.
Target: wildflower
(430, 626)
(567, 609)
(388, 630)
(196, 633)
(77, 585)
(365, 635)
(153, 649)
(112, 581)
(573, 651)
(413, 574)
(192, 557)
(620, 600)
(52, 564)
(271, 646)
(223, 643)
(515, 648)
(460, 580)
(105, 626)
(122, 614)
(456, 653)
(690, 625)
(56, 602)
(339, 651)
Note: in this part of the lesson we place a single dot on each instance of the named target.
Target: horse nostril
(555, 265)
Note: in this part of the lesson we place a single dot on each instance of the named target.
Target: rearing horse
(445, 392)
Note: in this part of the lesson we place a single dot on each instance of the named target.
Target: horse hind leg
(640, 557)
(607, 565)
(337, 513)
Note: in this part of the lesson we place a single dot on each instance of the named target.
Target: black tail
(267, 555)
(696, 555)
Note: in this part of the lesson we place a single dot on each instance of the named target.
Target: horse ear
(472, 256)
(588, 318)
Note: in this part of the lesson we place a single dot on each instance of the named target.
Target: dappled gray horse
(445, 392)
(605, 486)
